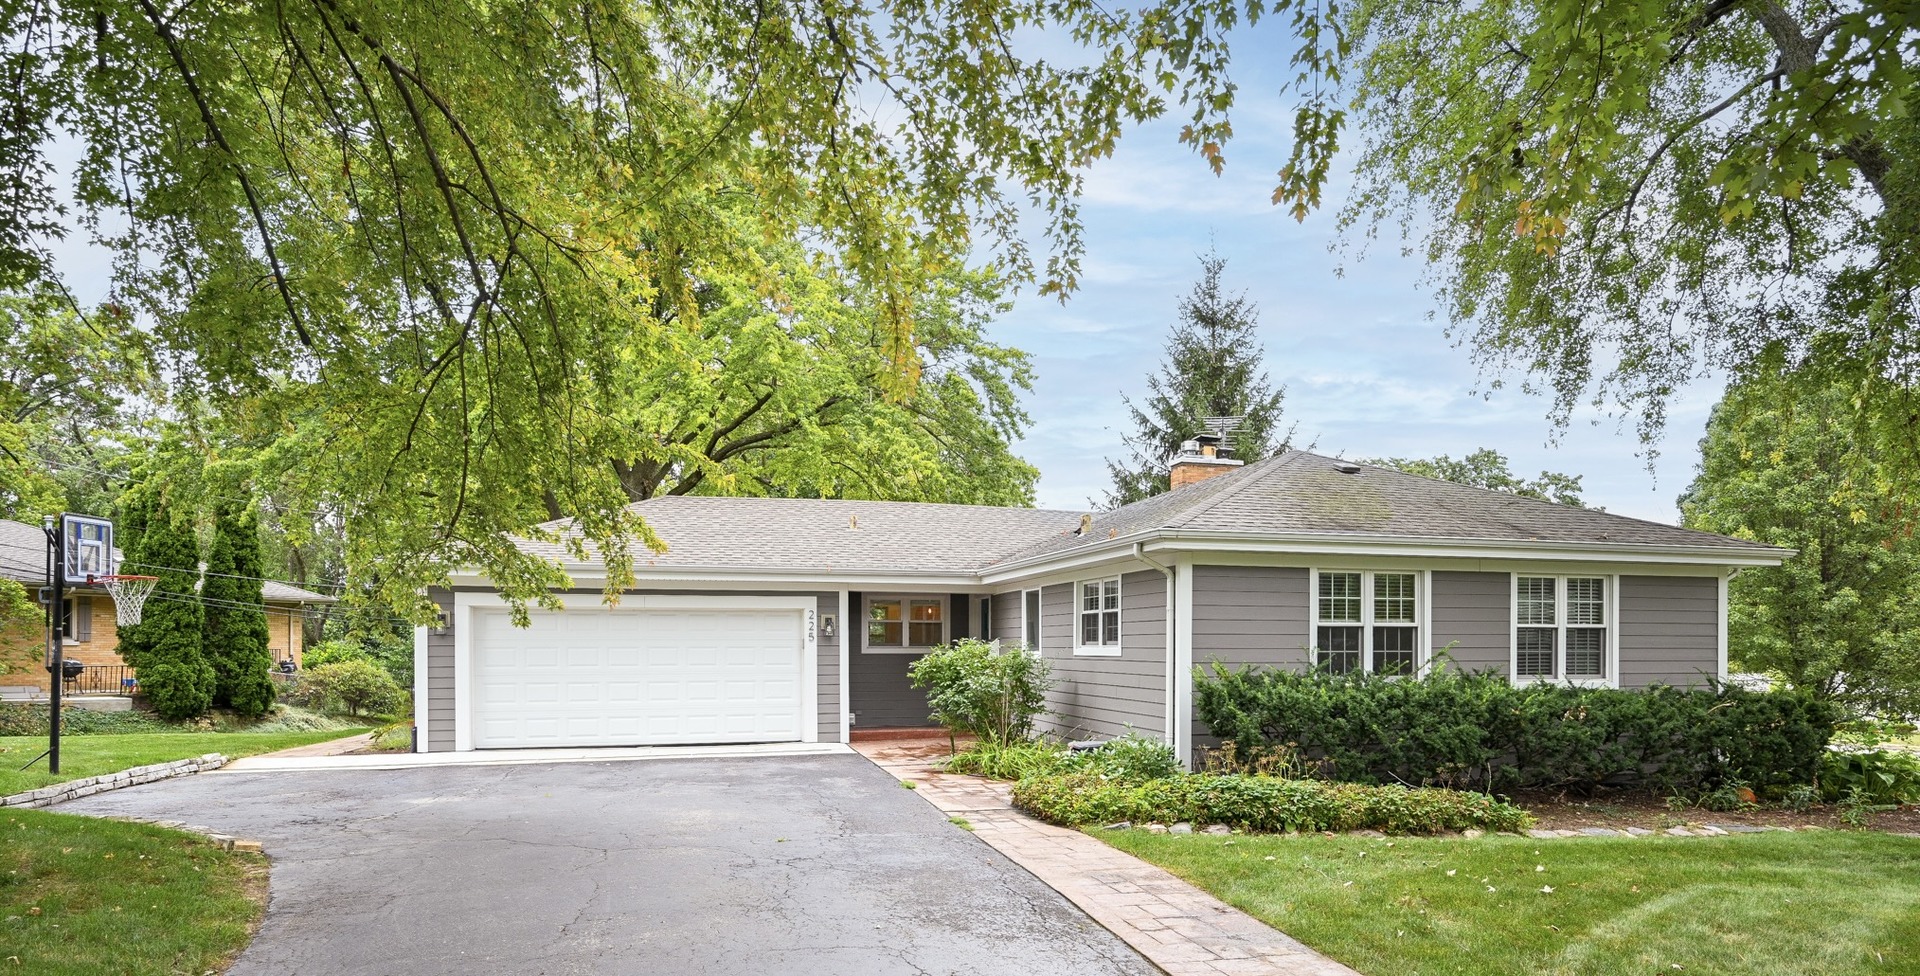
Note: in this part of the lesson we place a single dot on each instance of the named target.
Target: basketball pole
(57, 539)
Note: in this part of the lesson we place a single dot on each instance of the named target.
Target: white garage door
(636, 677)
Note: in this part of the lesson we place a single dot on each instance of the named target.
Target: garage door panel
(639, 677)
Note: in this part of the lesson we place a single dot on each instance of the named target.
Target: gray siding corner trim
(1106, 696)
(1670, 630)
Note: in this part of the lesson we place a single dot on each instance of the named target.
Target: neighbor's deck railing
(102, 679)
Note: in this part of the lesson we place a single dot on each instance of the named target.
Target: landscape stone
(1679, 831)
(1219, 829)
(1639, 832)
(1472, 834)
(1156, 828)
(1599, 832)
(1180, 828)
(1542, 834)
(1122, 825)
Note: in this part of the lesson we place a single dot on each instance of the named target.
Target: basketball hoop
(129, 595)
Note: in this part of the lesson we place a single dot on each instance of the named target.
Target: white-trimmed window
(1099, 616)
(1030, 619)
(1560, 628)
(903, 623)
(1366, 620)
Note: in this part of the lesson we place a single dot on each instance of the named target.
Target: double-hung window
(1366, 620)
(1560, 627)
(902, 623)
(1099, 631)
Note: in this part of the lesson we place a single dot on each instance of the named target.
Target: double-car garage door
(636, 677)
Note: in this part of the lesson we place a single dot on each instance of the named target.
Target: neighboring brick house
(90, 635)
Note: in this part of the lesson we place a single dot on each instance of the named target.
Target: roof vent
(1346, 467)
(1086, 525)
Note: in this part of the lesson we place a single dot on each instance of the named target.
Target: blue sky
(1367, 373)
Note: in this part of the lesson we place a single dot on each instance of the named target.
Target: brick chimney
(1198, 460)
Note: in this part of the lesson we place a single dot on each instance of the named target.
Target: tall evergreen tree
(165, 647)
(236, 619)
(1213, 368)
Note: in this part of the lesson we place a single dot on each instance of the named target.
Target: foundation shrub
(1477, 731)
(1263, 803)
(993, 692)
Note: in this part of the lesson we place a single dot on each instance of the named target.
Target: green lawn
(91, 755)
(1801, 903)
(95, 897)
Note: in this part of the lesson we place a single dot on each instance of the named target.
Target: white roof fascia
(1197, 540)
(596, 575)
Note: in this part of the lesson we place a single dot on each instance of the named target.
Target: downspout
(1140, 553)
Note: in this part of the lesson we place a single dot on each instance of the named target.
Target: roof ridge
(1245, 481)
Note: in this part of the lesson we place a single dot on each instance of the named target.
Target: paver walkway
(1180, 928)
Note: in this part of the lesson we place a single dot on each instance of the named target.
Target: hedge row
(30, 718)
(1263, 803)
(1481, 732)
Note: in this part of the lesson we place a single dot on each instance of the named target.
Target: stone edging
(75, 789)
(226, 842)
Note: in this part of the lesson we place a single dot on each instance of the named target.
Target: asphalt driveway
(804, 864)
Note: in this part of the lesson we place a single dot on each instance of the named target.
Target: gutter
(1173, 613)
(1344, 543)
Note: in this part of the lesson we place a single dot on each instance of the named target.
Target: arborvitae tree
(236, 618)
(165, 647)
(1213, 369)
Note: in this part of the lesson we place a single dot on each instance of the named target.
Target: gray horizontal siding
(439, 703)
(827, 652)
(1474, 613)
(1669, 630)
(1242, 615)
(1006, 616)
(1250, 615)
(1105, 696)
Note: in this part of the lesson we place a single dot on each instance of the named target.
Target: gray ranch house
(780, 619)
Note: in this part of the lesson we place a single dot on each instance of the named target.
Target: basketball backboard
(89, 548)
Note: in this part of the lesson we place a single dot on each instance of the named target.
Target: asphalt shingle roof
(1292, 494)
(23, 557)
(826, 535)
(1298, 493)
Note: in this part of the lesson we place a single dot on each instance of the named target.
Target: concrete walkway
(1180, 928)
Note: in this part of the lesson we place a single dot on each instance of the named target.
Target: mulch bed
(1564, 811)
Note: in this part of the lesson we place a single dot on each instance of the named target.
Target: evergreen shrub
(1478, 731)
